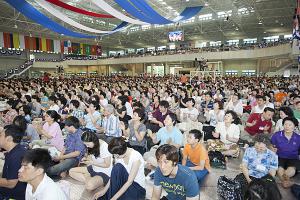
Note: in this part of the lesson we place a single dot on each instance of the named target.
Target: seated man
(258, 123)
(110, 125)
(195, 155)
(73, 151)
(158, 117)
(258, 162)
(260, 104)
(10, 187)
(34, 165)
(170, 174)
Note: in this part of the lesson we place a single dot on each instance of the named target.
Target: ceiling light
(187, 0)
(236, 28)
(206, 4)
(260, 22)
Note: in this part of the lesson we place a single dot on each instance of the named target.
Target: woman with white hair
(110, 125)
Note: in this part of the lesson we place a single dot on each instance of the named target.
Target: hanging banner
(29, 11)
(107, 8)
(22, 41)
(78, 10)
(66, 19)
(1, 40)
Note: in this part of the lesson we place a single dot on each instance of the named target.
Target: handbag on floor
(228, 189)
(217, 159)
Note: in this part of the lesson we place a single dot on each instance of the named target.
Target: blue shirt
(210, 105)
(185, 183)
(163, 135)
(74, 143)
(288, 149)
(259, 164)
(12, 164)
(89, 123)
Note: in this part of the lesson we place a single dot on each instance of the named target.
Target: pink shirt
(54, 130)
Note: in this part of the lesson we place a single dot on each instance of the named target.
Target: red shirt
(259, 126)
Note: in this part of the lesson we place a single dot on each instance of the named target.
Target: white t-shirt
(185, 113)
(233, 131)
(46, 190)
(129, 109)
(54, 107)
(135, 156)
(257, 109)
(103, 102)
(104, 153)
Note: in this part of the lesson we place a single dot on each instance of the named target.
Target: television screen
(176, 36)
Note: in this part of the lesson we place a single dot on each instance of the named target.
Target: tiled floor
(208, 189)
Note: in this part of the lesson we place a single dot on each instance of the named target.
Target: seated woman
(229, 134)
(258, 163)
(287, 145)
(99, 163)
(195, 155)
(284, 112)
(127, 179)
(136, 131)
(213, 117)
(30, 132)
(8, 117)
(50, 131)
(169, 134)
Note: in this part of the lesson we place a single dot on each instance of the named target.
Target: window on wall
(249, 73)
(290, 36)
(233, 42)
(272, 38)
(205, 17)
(224, 14)
(231, 72)
(151, 49)
(250, 40)
(215, 43)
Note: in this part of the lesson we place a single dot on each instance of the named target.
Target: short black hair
(21, 122)
(269, 109)
(75, 103)
(164, 103)
(39, 158)
(173, 117)
(140, 112)
(117, 146)
(72, 121)
(287, 111)
(52, 98)
(170, 151)
(192, 100)
(197, 134)
(26, 109)
(53, 114)
(292, 119)
(262, 138)
(15, 132)
(260, 97)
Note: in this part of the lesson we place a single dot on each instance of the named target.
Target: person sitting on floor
(195, 155)
(99, 163)
(10, 187)
(229, 134)
(127, 179)
(169, 134)
(259, 162)
(136, 131)
(258, 123)
(33, 171)
(287, 146)
(73, 151)
(170, 174)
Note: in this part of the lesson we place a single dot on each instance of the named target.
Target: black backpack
(228, 189)
(217, 159)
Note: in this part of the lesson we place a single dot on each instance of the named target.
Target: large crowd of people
(110, 133)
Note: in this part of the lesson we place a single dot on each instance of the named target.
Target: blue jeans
(62, 166)
(199, 173)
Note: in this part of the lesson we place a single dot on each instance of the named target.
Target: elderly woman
(287, 145)
(259, 163)
(110, 125)
(8, 117)
(229, 134)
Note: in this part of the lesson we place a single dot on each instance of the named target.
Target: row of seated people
(84, 124)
